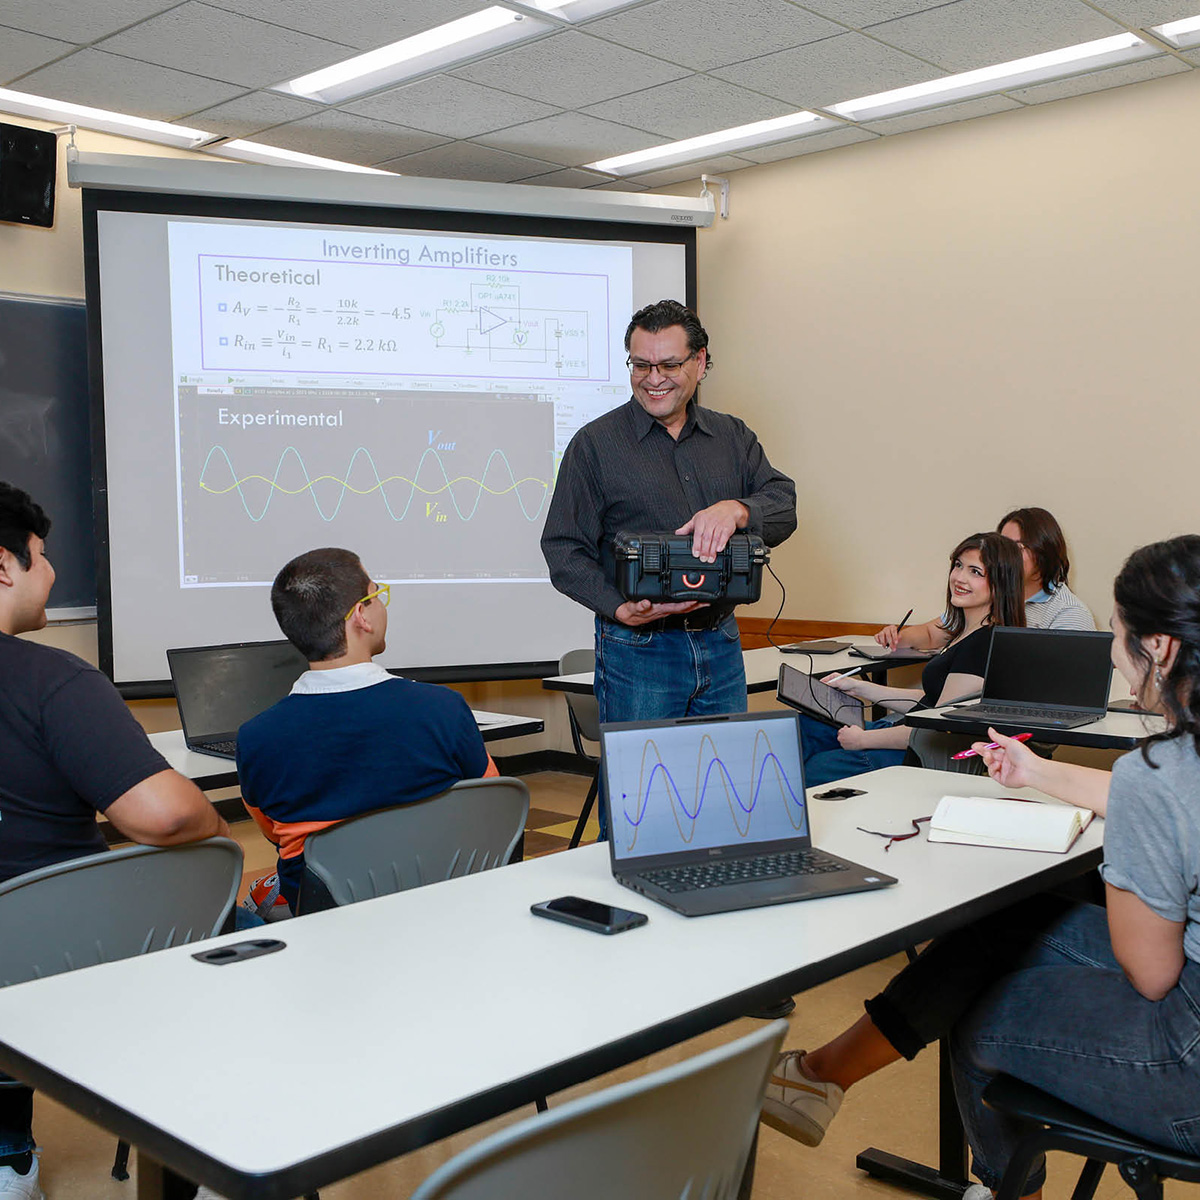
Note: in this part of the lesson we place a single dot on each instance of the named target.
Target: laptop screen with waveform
(683, 786)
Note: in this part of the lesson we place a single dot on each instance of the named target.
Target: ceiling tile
(982, 107)
(978, 33)
(570, 177)
(621, 185)
(688, 107)
(343, 136)
(225, 45)
(80, 21)
(809, 145)
(363, 24)
(127, 85)
(1193, 57)
(571, 69)
(1144, 13)
(570, 139)
(839, 68)
(1097, 81)
(711, 33)
(468, 160)
(453, 107)
(860, 13)
(22, 52)
(713, 166)
(255, 111)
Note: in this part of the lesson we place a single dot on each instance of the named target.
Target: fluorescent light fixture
(724, 141)
(577, 10)
(1055, 64)
(276, 156)
(1180, 33)
(487, 29)
(44, 109)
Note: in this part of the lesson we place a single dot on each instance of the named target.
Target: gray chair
(583, 713)
(114, 905)
(686, 1132)
(473, 826)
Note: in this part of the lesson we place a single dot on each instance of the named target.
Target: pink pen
(1020, 737)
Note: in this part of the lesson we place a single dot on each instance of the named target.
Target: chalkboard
(45, 434)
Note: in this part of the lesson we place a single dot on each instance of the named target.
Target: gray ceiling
(657, 71)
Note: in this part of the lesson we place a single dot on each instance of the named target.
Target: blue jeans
(825, 760)
(1068, 1021)
(654, 674)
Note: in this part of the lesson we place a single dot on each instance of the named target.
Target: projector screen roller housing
(274, 377)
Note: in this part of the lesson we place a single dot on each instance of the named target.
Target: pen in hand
(844, 674)
(1020, 737)
(904, 621)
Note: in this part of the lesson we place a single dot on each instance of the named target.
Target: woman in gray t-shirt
(1099, 1006)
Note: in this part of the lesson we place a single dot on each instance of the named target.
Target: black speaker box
(28, 163)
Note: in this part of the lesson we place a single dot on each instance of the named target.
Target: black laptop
(708, 815)
(1042, 679)
(218, 688)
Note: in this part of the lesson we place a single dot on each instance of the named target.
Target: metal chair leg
(120, 1167)
(585, 812)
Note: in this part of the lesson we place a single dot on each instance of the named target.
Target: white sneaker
(795, 1105)
(21, 1187)
(977, 1191)
(204, 1193)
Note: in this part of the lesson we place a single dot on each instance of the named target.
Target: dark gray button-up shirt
(624, 471)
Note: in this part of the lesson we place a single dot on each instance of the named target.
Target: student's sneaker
(21, 1187)
(203, 1193)
(795, 1105)
(265, 901)
(977, 1191)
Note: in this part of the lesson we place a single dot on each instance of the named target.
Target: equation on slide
(270, 314)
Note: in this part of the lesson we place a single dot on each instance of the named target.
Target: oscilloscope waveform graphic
(447, 485)
(704, 771)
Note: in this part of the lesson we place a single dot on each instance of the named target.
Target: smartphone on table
(589, 914)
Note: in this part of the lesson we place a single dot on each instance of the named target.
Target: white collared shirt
(340, 679)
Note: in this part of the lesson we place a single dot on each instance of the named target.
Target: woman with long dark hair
(984, 589)
(1098, 1006)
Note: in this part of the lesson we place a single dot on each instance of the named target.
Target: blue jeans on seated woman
(825, 760)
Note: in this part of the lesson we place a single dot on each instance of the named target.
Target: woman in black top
(985, 589)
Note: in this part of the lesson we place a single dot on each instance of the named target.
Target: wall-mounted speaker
(28, 163)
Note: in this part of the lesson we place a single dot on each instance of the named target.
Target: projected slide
(435, 484)
(683, 787)
(406, 392)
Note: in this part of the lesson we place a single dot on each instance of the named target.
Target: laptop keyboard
(229, 746)
(1026, 712)
(724, 872)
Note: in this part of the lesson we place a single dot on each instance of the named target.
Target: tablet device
(815, 647)
(806, 692)
(879, 652)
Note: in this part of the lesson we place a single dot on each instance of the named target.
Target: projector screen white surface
(272, 386)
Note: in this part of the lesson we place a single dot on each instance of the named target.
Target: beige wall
(929, 329)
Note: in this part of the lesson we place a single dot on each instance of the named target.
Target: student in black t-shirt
(69, 748)
(985, 589)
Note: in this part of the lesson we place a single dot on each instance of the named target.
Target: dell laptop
(219, 688)
(708, 814)
(1042, 679)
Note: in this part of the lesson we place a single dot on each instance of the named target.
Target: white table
(213, 771)
(762, 666)
(380, 997)
(1114, 731)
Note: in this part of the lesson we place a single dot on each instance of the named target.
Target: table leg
(747, 1184)
(949, 1179)
(156, 1182)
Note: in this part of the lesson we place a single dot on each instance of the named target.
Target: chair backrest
(473, 826)
(584, 711)
(114, 905)
(682, 1132)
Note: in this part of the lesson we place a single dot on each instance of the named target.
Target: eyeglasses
(383, 591)
(638, 368)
